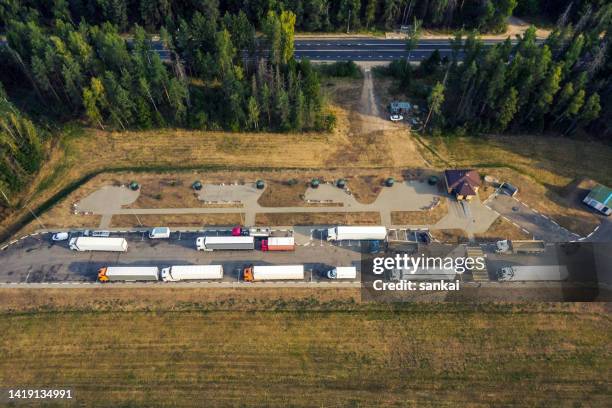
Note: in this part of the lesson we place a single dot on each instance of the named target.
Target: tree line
(563, 85)
(206, 81)
(21, 148)
(311, 15)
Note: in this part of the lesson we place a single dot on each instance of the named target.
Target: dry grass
(541, 167)
(552, 161)
(450, 236)
(81, 153)
(323, 218)
(310, 358)
(571, 214)
(502, 229)
(425, 217)
(283, 193)
(176, 220)
(172, 298)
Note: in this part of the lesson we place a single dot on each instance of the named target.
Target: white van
(159, 232)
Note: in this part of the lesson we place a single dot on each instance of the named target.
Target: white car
(159, 232)
(60, 236)
(396, 118)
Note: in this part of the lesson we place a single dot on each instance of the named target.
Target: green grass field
(228, 354)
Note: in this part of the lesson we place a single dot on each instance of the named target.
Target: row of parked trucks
(178, 273)
(241, 239)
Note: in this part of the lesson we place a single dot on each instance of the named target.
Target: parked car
(396, 118)
(60, 236)
(159, 232)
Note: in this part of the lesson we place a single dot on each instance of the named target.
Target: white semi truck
(98, 244)
(178, 273)
(273, 272)
(341, 233)
(342, 272)
(225, 243)
(128, 273)
(533, 273)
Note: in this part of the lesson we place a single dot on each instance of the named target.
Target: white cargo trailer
(98, 244)
(128, 273)
(227, 243)
(273, 272)
(341, 233)
(342, 272)
(533, 273)
(191, 272)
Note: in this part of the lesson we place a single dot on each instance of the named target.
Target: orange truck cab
(102, 275)
(247, 274)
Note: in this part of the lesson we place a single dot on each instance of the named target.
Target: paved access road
(530, 220)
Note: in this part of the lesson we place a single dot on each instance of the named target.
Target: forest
(66, 71)
(311, 15)
(563, 85)
(21, 147)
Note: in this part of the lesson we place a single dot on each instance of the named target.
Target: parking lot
(530, 220)
(38, 259)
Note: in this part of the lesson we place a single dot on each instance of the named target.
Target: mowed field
(241, 349)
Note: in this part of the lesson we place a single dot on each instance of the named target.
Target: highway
(363, 49)
(367, 49)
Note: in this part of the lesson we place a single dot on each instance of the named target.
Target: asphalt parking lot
(531, 221)
(37, 259)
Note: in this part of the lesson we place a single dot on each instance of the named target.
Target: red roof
(462, 182)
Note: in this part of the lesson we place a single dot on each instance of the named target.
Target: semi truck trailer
(533, 273)
(128, 273)
(98, 244)
(178, 273)
(273, 272)
(341, 233)
(278, 244)
(342, 272)
(225, 243)
(530, 246)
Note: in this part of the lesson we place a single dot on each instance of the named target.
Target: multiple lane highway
(362, 49)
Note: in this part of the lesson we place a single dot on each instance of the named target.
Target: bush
(345, 69)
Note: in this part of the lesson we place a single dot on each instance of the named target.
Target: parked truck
(278, 244)
(531, 246)
(128, 273)
(533, 273)
(178, 273)
(342, 272)
(225, 243)
(341, 233)
(98, 244)
(273, 272)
